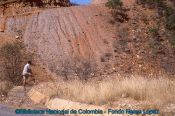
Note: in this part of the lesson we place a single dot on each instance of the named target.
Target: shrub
(153, 3)
(85, 70)
(117, 11)
(170, 22)
(5, 87)
(114, 4)
(172, 40)
(154, 31)
(34, 2)
(168, 11)
(12, 61)
(163, 10)
(123, 35)
(67, 69)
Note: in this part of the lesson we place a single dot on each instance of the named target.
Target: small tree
(172, 40)
(153, 3)
(66, 69)
(12, 59)
(32, 3)
(85, 70)
(170, 22)
(117, 10)
(114, 4)
(154, 31)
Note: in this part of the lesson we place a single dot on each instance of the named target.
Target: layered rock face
(68, 35)
(63, 35)
(13, 8)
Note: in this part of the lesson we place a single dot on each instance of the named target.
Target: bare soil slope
(87, 33)
(69, 34)
(64, 34)
(98, 1)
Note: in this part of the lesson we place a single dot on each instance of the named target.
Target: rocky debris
(18, 96)
(39, 95)
(42, 92)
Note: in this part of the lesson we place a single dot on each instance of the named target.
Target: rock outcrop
(37, 2)
(68, 35)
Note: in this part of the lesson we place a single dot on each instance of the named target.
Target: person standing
(27, 72)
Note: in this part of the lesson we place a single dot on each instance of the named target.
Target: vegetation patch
(166, 13)
(172, 40)
(117, 10)
(13, 56)
(154, 31)
(151, 3)
(83, 69)
(154, 90)
(5, 86)
(170, 22)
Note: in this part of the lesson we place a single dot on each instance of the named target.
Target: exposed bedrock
(64, 34)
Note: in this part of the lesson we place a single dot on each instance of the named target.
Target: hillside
(85, 33)
(83, 42)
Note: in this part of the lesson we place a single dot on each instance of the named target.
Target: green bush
(170, 22)
(114, 4)
(85, 69)
(162, 7)
(154, 31)
(168, 10)
(118, 12)
(151, 2)
(172, 40)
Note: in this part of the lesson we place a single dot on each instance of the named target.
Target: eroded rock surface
(68, 34)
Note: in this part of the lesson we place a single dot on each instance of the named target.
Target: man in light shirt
(27, 72)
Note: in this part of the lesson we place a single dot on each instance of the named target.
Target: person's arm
(29, 69)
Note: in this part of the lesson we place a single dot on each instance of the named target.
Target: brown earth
(98, 1)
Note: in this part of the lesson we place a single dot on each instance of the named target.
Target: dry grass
(5, 86)
(157, 91)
